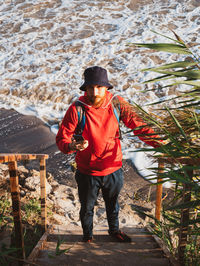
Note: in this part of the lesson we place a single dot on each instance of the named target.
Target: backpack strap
(81, 118)
(117, 111)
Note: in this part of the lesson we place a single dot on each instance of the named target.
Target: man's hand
(78, 145)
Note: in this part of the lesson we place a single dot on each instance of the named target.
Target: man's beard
(96, 101)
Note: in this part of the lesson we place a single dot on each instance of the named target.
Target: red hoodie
(103, 155)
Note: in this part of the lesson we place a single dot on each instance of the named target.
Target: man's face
(96, 94)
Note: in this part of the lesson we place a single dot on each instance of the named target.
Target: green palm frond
(179, 124)
(165, 47)
(181, 64)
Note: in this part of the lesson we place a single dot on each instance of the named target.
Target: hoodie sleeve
(66, 130)
(132, 120)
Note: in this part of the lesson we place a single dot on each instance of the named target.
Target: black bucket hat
(95, 76)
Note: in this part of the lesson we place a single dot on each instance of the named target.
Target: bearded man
(98, 151)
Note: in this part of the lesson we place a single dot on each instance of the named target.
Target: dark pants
(88, 189)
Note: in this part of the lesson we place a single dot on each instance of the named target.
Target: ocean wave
(45, 47)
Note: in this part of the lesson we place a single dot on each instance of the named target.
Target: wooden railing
(186, 197)
(12, 159)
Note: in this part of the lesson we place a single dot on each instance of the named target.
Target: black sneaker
(87, 239)
(120, 236)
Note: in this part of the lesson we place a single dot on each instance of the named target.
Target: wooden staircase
(143, 250)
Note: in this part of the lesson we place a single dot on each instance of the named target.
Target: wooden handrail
(186, 198)
(159, 191)
(12, 159)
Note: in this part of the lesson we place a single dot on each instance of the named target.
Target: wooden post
(43, 193)
(159, 191)
(185, 218)
(16, 205)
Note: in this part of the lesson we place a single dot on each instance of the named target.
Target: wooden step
(103, 250)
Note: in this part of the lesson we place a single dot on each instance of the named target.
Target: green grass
(6, 218)
(30, 211)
